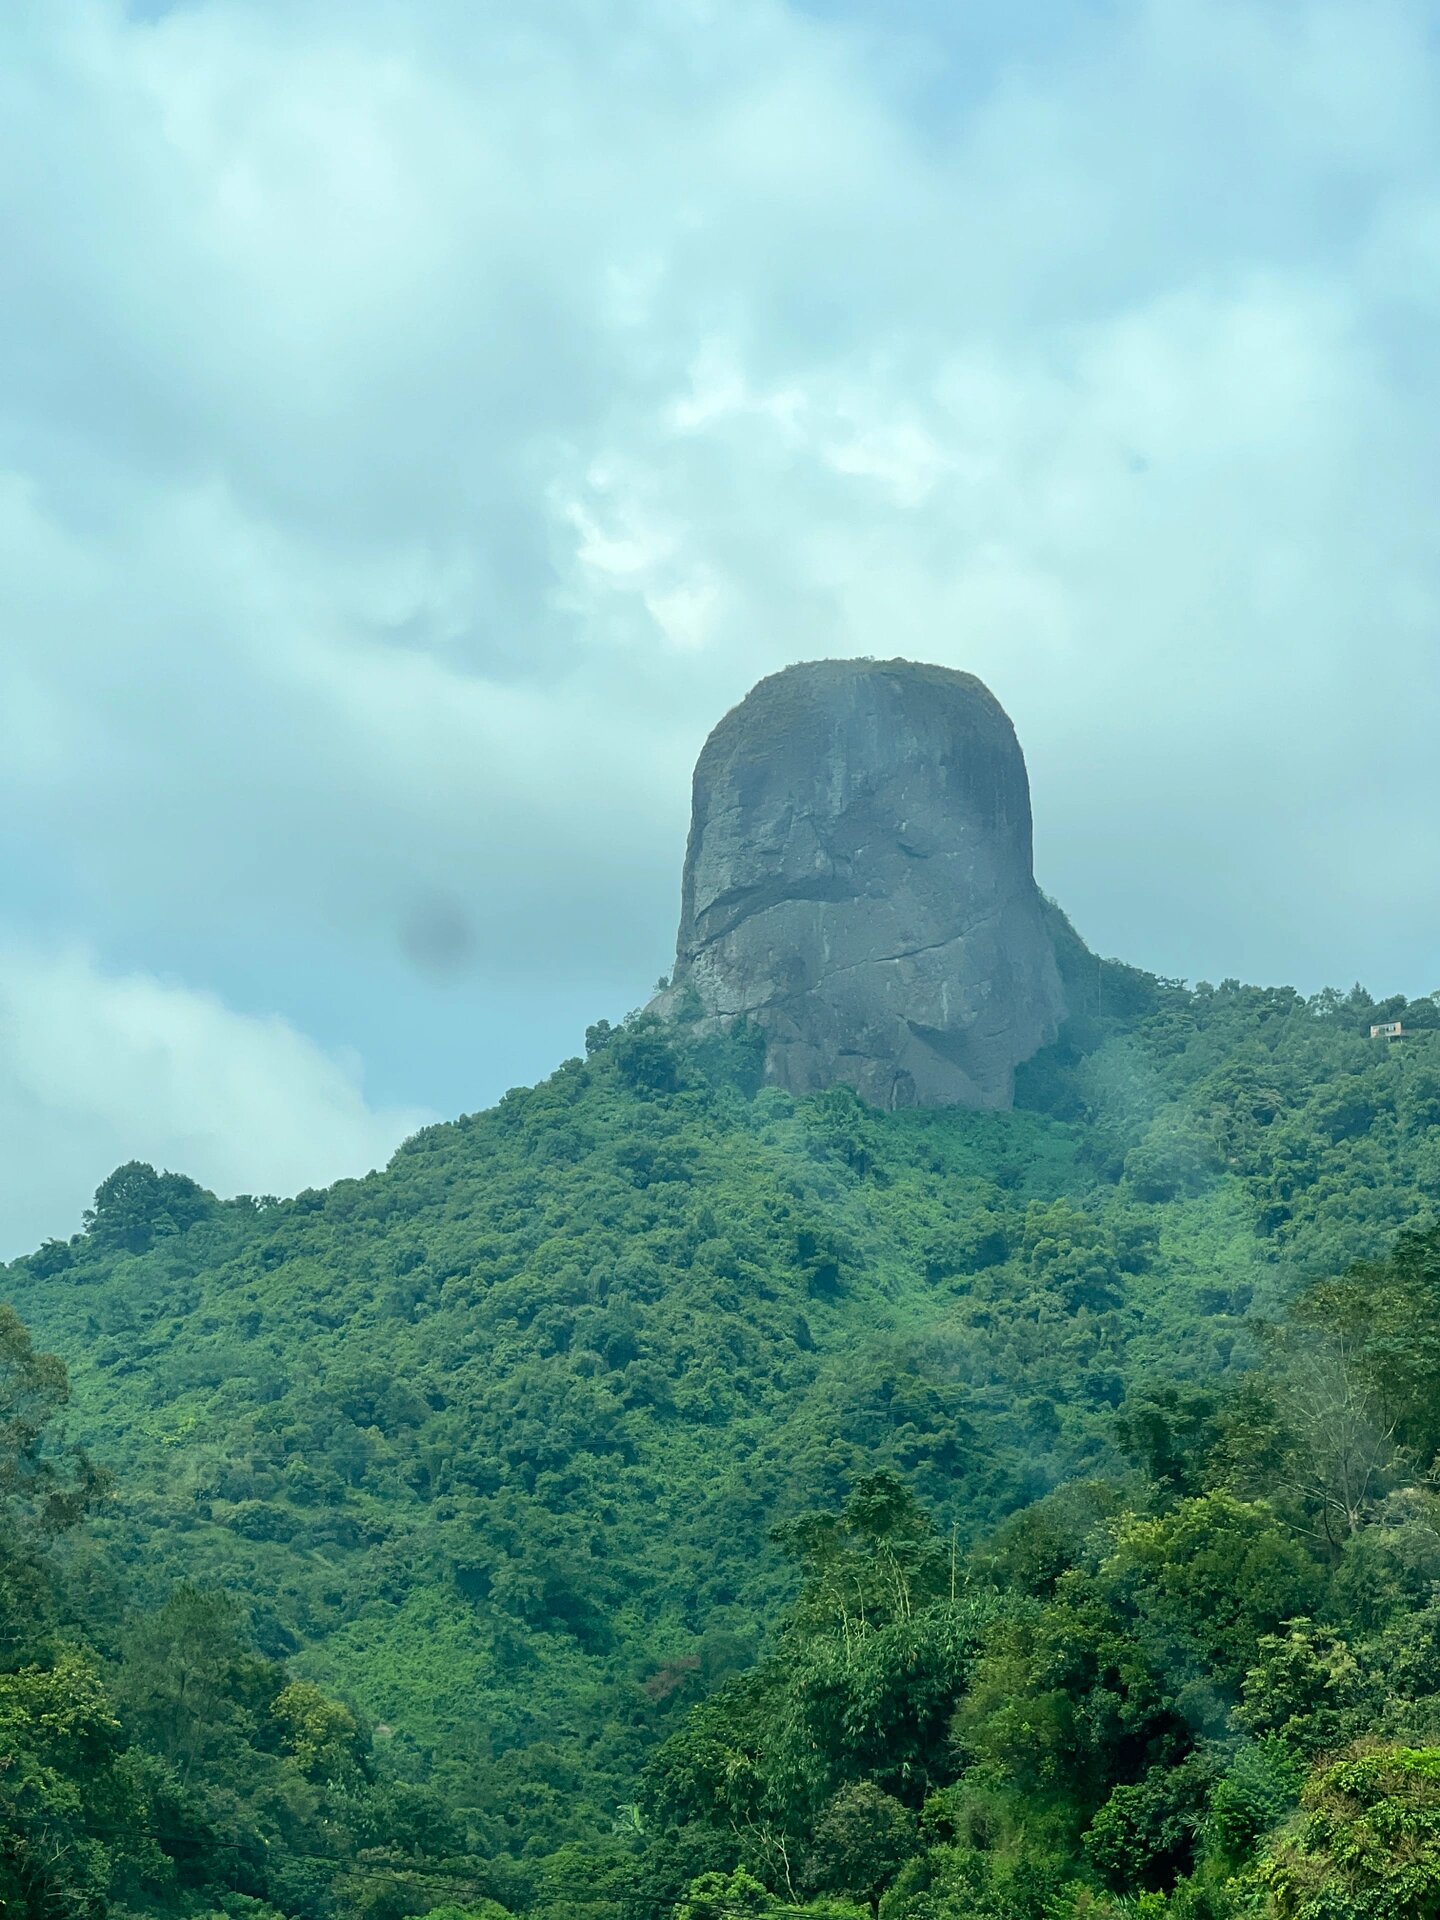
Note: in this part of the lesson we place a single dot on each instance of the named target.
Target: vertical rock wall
(858, 884)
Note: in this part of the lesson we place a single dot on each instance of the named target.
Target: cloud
(418, 425)
(103, 1067)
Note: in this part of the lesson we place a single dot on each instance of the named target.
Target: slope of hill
(491, 1443)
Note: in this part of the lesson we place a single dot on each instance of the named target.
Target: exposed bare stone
(858, 884)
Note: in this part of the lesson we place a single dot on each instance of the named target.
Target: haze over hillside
(661, 1494)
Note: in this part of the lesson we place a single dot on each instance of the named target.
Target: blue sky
(419, 423)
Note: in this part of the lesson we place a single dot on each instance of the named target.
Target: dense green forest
(657, 1497)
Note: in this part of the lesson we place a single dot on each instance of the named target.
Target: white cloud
(417, 425)
(97, 1068)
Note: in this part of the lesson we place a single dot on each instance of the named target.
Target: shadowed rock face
(858, 884)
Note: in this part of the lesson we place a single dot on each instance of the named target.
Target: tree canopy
(658, 1495)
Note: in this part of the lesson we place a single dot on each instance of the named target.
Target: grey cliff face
(858, 884)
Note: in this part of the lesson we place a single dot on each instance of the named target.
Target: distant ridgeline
(691, 1489)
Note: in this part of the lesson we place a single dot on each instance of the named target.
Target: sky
(420, 420)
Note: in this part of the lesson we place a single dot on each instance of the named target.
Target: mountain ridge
(445, 1428)
(669, 1496)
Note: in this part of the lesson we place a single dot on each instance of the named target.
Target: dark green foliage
(136, 1207)
(174, 1770)
(1170, 1432)
(1368, 1844)
(1257, 1792)
(1145, 1834)
(1174, 1692)
(859, 1842)
(722, 1503)
(645, 1059)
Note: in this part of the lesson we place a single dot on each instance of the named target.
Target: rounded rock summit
(858, 885)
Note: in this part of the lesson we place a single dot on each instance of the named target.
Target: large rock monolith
(858, 885)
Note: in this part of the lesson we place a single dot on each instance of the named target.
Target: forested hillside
(657, 1495)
